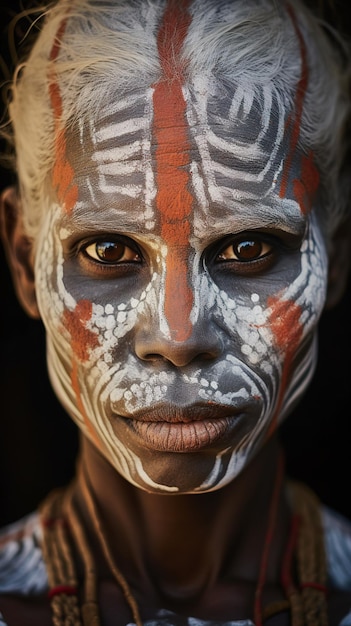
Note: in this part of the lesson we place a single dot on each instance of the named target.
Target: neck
(162, 541)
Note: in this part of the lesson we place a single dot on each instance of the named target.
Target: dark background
(38, 442)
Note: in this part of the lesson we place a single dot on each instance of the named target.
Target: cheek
(83, 337)
(89, 333)
(247, 325)
(269, 323)
(308, 290)
(52, 297)
(79, 328)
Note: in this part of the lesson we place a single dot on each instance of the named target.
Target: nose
(152, 343)
(173, 327)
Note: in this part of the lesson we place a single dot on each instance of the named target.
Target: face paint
(62, 178)
(182, 291)
(174, 200)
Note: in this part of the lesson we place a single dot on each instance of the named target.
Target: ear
(18, 250)
(339, 264)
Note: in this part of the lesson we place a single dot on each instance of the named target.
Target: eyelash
(243, 246)
(119, 246)
(243, 253)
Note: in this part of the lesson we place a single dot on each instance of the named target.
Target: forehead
(220, 126)
(226, 146)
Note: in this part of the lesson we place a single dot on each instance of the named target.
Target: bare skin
(167, 559)
(181, 288)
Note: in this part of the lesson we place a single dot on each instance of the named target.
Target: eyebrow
(109, 217)
(272, 212)
(280, 212)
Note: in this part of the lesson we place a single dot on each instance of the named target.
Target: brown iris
(245, 250)
(111, 252)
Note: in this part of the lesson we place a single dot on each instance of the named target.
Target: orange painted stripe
(300, 96)
(81, 408)
(287, 331)
(83, 340)
(174, 200)
(306, 187)
(63, 173)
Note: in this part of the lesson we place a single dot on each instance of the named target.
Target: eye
(111, 252)
(246, 249)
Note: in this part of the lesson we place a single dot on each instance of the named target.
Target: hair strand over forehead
(108, 49)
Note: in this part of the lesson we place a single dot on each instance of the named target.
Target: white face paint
(180, 336)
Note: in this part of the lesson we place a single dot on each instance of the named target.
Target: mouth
(183, 429)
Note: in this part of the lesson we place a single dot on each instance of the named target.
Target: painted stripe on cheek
(82, 340)
(287, 330)
(63, 173)
(174, 201)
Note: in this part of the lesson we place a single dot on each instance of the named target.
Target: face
(180, 277)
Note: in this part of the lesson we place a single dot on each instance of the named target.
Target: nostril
(179, 358)
(153, 356)
(179, 353)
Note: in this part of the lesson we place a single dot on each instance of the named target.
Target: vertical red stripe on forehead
(171, 133)
(63, 173)
(171, 35)
(294, 120)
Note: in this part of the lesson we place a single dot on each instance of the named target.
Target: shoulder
(337, 537)
(22, 569)
(337, 533)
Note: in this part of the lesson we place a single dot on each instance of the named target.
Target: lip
(183, 429)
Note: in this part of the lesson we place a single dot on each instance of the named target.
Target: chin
(181, 473)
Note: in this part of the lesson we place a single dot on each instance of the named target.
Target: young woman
(181, 221)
